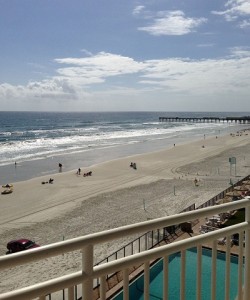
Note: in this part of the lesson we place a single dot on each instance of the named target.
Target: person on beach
(79, 171)
(60, 167)
(133, 165)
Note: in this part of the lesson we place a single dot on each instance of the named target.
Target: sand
(115, 195)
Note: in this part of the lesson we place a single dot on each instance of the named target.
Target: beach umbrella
(234, 193)
(224, 200)
(242, 188)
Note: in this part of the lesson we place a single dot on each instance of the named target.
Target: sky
(125, 55)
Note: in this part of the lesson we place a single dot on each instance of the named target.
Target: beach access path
(115, 195)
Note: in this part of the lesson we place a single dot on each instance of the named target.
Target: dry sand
(113, 196)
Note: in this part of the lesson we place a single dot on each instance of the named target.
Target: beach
(115, 195)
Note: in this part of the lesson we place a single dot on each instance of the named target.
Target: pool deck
(115, 283)
(221, 247)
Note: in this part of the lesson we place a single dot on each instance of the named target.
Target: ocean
(33, 143)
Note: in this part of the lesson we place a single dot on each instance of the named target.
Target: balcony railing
(90, 272)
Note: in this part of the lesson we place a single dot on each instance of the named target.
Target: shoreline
(28, 169)
(115, 195)
(175, 158)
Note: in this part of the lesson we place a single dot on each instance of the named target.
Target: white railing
(89, 272)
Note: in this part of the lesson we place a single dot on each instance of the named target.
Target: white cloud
(138, 9)
(200, 77)
(53, 88)
(96, 68)
(172, 23)
(87, 80)
(240, 7)
(235, 9)
(240, 52)
(85, 51)
(244, 24)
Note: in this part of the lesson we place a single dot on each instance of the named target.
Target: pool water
(156, 277)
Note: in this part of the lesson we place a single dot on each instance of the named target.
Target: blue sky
(111, 55)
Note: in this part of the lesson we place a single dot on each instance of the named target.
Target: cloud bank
(81, 79)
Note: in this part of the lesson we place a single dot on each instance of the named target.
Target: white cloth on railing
(222, 241)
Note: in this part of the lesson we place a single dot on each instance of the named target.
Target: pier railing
(86, 244)
(241, 120)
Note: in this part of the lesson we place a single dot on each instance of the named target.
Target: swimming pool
(156, 277)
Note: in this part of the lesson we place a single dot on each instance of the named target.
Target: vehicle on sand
(20, 245)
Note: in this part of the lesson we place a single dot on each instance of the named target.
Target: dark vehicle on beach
(20, 245)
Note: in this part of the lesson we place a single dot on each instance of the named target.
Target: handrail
(211, 201)
(104, 236)
(98, 271)
(165, 235)
(166, 250)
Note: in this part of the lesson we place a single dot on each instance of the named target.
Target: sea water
(33, 143)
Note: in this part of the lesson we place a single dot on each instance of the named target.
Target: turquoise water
(156, 278)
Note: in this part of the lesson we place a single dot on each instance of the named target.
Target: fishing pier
(241, 120)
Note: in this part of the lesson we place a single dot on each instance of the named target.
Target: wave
(56, 139)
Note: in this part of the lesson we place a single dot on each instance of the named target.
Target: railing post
(247, 256)
(103, 288)
(183, 274)
(146, 280)
(71, 293)
(213, 271)
(87, 268)
(165, 278)
(199, 270)
(146, 241)
(240, 267)
(125, 284)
